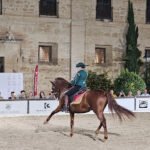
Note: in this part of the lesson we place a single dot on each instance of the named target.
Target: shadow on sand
(66, 130)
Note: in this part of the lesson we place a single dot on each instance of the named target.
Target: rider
(79, 82)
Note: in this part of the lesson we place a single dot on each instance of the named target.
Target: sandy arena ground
(29, 133)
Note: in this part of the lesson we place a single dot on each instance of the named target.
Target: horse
(95, 100)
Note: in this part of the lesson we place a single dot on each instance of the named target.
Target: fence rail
(45, 106)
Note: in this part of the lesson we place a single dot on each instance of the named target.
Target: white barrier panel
(13, 107)
(143, 104)
(42, 106)
(128, 103)
(10, 82)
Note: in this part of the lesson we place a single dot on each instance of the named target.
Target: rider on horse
(79, 82)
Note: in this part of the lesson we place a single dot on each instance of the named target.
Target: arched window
(48, 7)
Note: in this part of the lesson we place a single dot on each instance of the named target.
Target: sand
(29, 133)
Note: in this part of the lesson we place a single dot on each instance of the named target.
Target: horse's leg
(98, 129)
(71, 123)
(102, 123)
(59, 108)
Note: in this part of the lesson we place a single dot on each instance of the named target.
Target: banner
(10, 82)
(42, 106)
(13, 107)
(36, 80)
(143, 104)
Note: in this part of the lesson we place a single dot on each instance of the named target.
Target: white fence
(13, 107)
(45, 107)
(42, 107)
(142, 104)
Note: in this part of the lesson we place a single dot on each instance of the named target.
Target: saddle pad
(78, 99)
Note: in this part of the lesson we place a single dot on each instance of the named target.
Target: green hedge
(98, 81)
(129, 81)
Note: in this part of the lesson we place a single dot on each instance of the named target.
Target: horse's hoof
(96, 132)
(71, 134)
(45, 122)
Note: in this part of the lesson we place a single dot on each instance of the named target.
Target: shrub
(98, 81)
(129, 81)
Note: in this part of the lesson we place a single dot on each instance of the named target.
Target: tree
(129, 81)
(98, 81)
(132, 58)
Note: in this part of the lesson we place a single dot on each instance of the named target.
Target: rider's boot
(66, 104)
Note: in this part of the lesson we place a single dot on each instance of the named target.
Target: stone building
(56, 34)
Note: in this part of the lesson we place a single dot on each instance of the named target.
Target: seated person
(31, 95)
(51, 96)
(145, 93)
(138, 93)
(112, 93)
(22, 94)
(130, 94)
(12, 96)
(121, 94)
(42, 95)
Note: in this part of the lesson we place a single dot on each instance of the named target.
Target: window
(147, 66)
(48, 7)
(103, 9)
(1, 64)
(47, 53)
(0, 7)
(148, 11)
(147, 53)
(103, 55)
(100, 55)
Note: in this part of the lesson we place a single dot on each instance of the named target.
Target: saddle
(77, 97)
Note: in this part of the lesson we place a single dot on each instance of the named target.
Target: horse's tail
(119, 110)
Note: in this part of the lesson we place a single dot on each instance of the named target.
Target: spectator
(22, 95)
(12, 96)
(130, 94)
(31, 95)
(121, 94)
(112, 93)
(42, 95)
(138, 93)
(51, 96)
(145, 93)
(1, 96)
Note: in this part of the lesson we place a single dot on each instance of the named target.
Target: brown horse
(95, 100)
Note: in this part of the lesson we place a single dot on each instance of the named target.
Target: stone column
(77, 34)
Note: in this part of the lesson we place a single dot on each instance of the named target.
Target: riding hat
(81, 64)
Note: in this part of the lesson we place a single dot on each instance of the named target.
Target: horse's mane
(64, 81)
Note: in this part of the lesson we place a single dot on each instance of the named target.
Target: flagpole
(36, 80)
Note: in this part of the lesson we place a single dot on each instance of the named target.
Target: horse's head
(59, 85)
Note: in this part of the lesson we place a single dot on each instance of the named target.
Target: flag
(36, 80)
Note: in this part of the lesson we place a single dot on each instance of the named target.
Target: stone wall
(76, 31)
